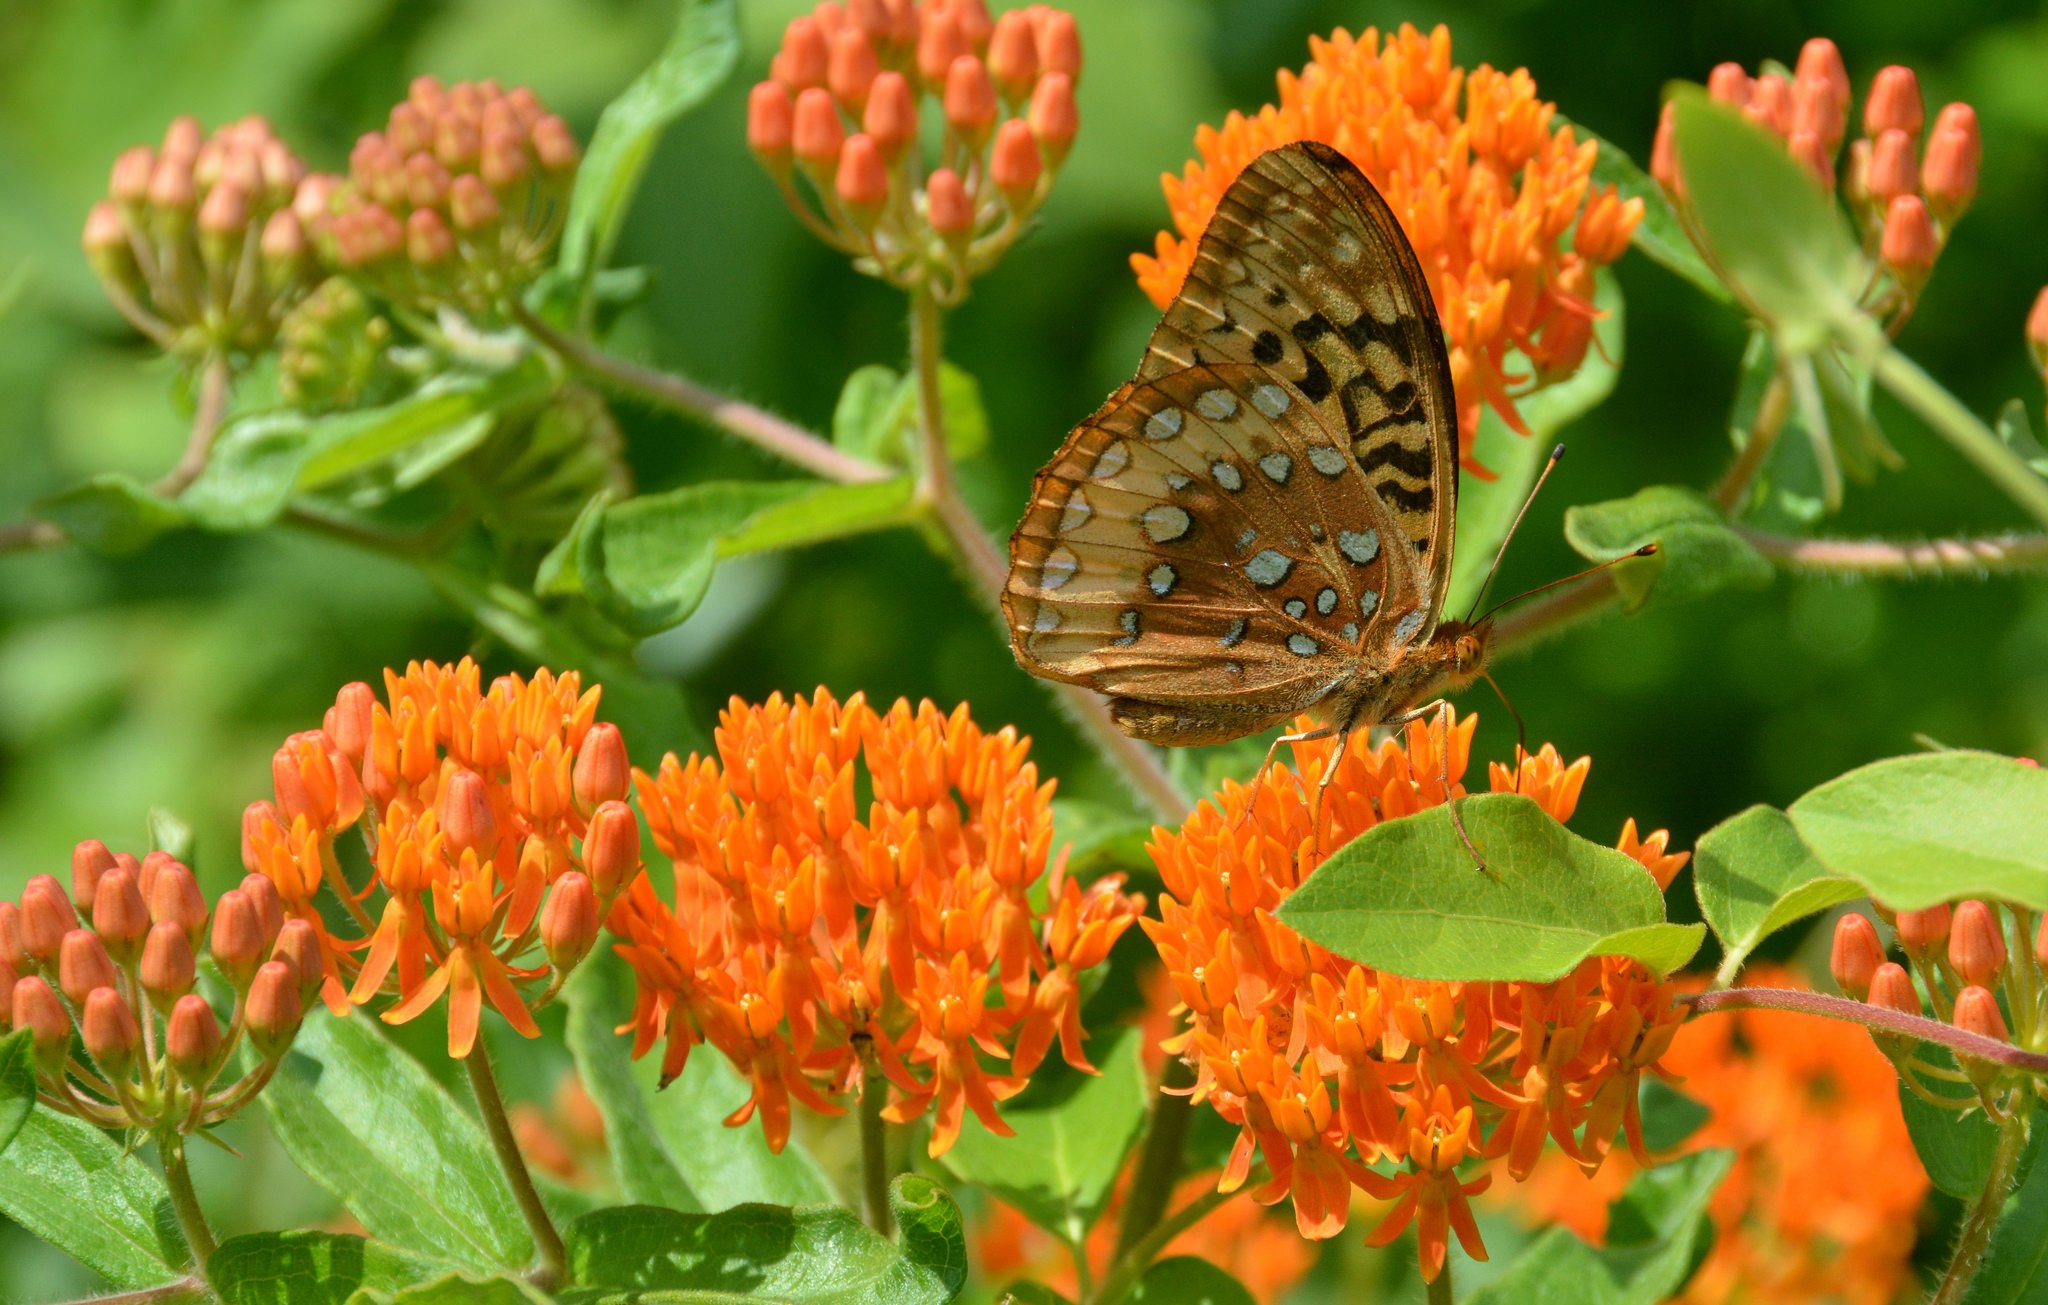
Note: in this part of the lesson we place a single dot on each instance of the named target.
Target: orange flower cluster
(1499, 206)
(820, 951)
(1326, 1066)
(496, 826)
(1822, 1202)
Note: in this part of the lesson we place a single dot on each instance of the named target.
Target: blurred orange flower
(820, 951)
(1486, 190)
(1326, 1066)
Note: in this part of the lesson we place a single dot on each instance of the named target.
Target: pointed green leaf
(1058, 1168)
(366, 1122)
(17, 1084)
(1030, 1293)
(866, 421)
(77, 1189)
(170, 832)
(1554, 1269)
(460, 1289)
(1659, 235)
(1955, 1149)
(1754, 875)
(1697, 553)
(1669, 1115)
(812, 1255)
(111, 514)
(1188, 1280)
(699, 57)
(1781, 242)
(1935, 827)
(1405, 897)
(826, 513)
(2015, 1268)
(2018, 434)
(309, 1268)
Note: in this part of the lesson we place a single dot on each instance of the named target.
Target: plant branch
(757, 426)
(1975, 1235)
(1763, 436)
(1440, 1286)
(874, 1140)
(1549, 616)
(1959, 426)
(1963, 1044)
(184, 1200)
(22, 536)
(1159, 1163)
(1131, 1265)
(181, 1289)
(2011, 553)
(554, 1259)
(214, 380)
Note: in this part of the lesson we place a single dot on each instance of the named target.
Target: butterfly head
(1466, 648)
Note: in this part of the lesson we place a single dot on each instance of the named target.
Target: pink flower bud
(1976, 943)
(818, 133)
(1770, 104)
(280, 169)
(183, 137)
(46, 916)
(602, 773)
(37, 1009)
(1054, 118)
(1815, 109)
(1977, 1012)
(119, 915)
(554, 145)
(471, 203)
(1893, 170)
(1922, 931)
(970, 99)
(1819, 59)
(457, 143)
(192, 1039)
(1013, 55)
(313, 201)
(947, 205)
(109, 1031)
(863, 178)
(611, 848)
(105, 241)
(770, 122)
(174, 898)
(12, 952)
(167, 970)
(1954, 152)
(1729, 83)
(426, 181)
(1856, 173)
(1663, 151)
(467, 817)
(1059, 43)
(891, 117)
(1856, 954)
(83, 964)
(276, 1007)
(974, 20)
(939, 45)
(805, 57)
(284, 240)
(1014, 164)
(428, 241)
(503, 163)
(568, 923)
(872, 17)
(1894, 103)
(89, 860)
(853, 69)
(238, 943)
(1909, 245)
(128, 182)
(1892, 988)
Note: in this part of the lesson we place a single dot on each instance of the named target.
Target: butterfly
(1259, 525)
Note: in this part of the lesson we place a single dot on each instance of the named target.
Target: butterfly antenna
(1647, 550)
(1548, 467)
(1521, 730)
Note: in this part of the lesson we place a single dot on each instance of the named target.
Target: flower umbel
(1499, 205)
(1326, 1067)
(820, 951)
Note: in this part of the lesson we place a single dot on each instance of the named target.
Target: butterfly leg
(1442, 708)
(1305, 736)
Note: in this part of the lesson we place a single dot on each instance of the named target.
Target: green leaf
(111, 514)
(366, 1122)
(2015, 1268)
(17, 1084)
(811, 1255)
(827, 512)
(671, 1146)
(1030, 1293)
(866, 421)
(1934, 827)
(1100, 838)
(1780, 241)
(74, 1187)
(1754, 875)
(2018, 434)
(1058, 1168)
(701, 54)
(1697, 553)
(1954, 1149)
(170, 832)
(1659, 235)
(1405, 897)
(291, 1268)
(459, 1289)
(1669, 1116)
(1487, 507)
(1555, 1269)
(1188, 1280)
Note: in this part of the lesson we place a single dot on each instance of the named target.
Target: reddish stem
(1975, 1046)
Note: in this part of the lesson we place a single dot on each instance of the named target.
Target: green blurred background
(168, 677)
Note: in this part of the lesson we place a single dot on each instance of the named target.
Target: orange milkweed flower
(822, 950)
(465, 795)
(1326, 1066)
(1486, 190)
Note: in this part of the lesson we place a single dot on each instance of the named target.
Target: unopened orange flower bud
(192, 1039)
(975, 23)
(238, 944)
(862, 180)
(1856, 954)
(1811, 152)
(428, 241)
(183, 138)
(770, 121)
(347, 723)
(1663, 150)
(503, 163)
(1815, 109)
(1954, 152)
(1922, 931)
(1730, 84)
(1977, 1012)
(804, 58)
(853, 69)
(276, 1007)
(1892, 988)
(1014, 164)
(466, 814)
(167, 969)
(471, 204)
(108, 1029)
(315, 780)
(119, 915)
(1059, 42)
(225, 211)
(1054, 117)
(89, 860)
(83, 964)
(106, 246)
(611, 848)
(940, 44)
(171, 189)
(46, 916)
(128, 182)
(1605, 225)
(1819, 58)
(174, 898)
(554, 145)
(891, 117)
(1893, 169)
(37, 1009)
(1909, 245)
(12, 952)
(1894, 103)
(818, 133)
(1770, 104)
(1013, 55)
(568, 923)
(299, 946)
(948, 208)
(262, 896)
(1976, 943)
(970, 100)
(602, 772)
(2041, 934)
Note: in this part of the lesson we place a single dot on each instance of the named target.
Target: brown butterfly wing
(1206, 543)
(1304, 271)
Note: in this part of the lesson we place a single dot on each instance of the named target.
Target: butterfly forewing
(1206, 538)
(1304, 271)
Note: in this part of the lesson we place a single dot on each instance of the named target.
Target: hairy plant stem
(193, 1288)
(1130, 1265)
(874, 1141)
(1440, 1287)
(1531, 623)
(1975, 1235)
(554, 1260)
(1159, 1163)
(2007, 554)
(1763, 436)
(184, 1200)
(215, 376)
(1964, 1045)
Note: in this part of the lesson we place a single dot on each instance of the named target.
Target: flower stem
(1131, 1264)
(1993, 554)
(1960, 427)
(484, 1084)
(1975, 1236)
(874, 1142)
(184, 1200)
(1763, 436)
(1548, 616)
(1963, 1044)
(1440, 1286)
(1159, 1163)
(180, 1290)
(214, 379)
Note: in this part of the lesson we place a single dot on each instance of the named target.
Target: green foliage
(78, 1189)
(812, 1255)
(1754, 876)
(2015, 1269)
(1697, 553)
(1188, 1280)
(1955, 1149)
(1659, 235)
(311, 1268)
(17, 1084)
(876, 416)
(1058, 1169)
(1405, 897)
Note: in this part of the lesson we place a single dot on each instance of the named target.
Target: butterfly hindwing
(1304, 271)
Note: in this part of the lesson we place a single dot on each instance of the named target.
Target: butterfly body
(1259, 525)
